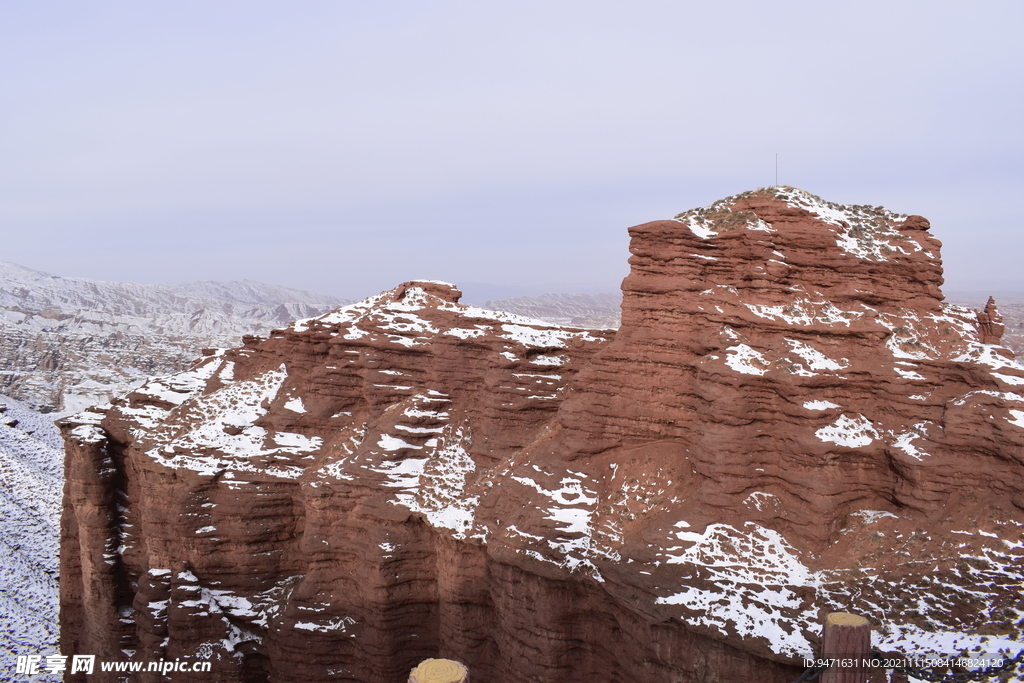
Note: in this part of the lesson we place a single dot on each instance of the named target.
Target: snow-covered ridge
(866, 232)
(862, 231)
(401, 316)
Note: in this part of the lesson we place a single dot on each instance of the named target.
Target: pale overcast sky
(343, 147)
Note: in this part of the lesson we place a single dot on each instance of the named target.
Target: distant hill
(69, 342)
(594, 311)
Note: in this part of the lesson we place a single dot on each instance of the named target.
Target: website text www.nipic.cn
(34, 665)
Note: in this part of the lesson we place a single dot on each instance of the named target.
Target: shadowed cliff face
(788, 422)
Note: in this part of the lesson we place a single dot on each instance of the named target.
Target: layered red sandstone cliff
(788, 422)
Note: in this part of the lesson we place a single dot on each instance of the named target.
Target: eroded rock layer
(788, 422)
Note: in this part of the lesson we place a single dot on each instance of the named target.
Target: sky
(344, 147)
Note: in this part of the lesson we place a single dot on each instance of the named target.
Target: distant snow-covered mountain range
(71, 342)
(596, 311)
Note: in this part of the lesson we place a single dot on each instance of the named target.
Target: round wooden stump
(439, 671)
(846, 637)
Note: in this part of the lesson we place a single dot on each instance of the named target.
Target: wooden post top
(845, 619)
(847, 637)
(439, 671)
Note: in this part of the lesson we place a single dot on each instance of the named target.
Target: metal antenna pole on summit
(776, 169)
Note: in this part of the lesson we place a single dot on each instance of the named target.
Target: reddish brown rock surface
(789, 422)
(990, 323)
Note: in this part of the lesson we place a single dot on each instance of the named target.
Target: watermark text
(35, 665)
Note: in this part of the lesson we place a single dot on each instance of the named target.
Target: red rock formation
(789, 422)
(990, 323)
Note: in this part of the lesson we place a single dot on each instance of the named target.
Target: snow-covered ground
(31, 479)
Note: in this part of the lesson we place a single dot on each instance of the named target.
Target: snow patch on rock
(851, 432)
(753, 575)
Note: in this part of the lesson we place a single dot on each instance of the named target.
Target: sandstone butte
(789, 422)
